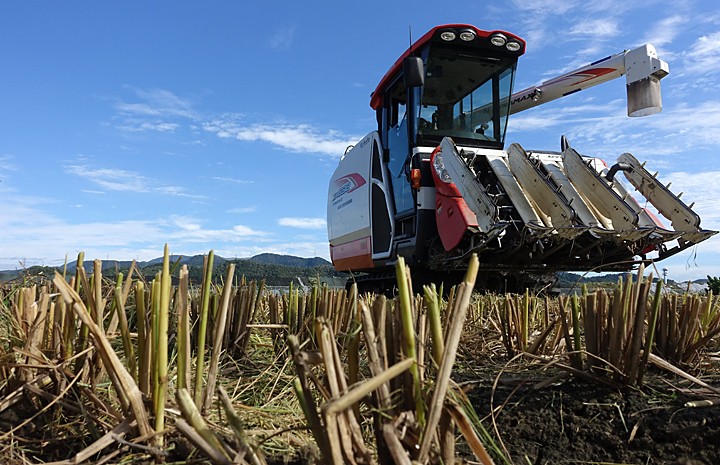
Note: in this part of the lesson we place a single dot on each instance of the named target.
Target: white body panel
(349, 194)
(353, 194)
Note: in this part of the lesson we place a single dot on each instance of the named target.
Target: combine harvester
(434, 183)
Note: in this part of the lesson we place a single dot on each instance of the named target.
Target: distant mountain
(289, 260)
(190, 261)
(195, 260)
(276, 270)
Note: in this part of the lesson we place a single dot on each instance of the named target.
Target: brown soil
(583, 422)
(571, 422)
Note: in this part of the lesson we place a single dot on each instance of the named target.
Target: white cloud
(6, 164)
(48, 239)
(162, 111)
(545, 7)
(704, 190)
(599, 28)
(533, 122)
(548, 21)
(695, 263)
(125, 181)
(294, 138)
(241, 210)
(704, 56)
(153, 110)
(283, 38)
(142, 126)
(665, 31)
(677, 130)
(303, 223)
(536, 35)
(694, 126)
(232, 180)
(111, 179)
(157, 102)
(565, 116)
(614, 7)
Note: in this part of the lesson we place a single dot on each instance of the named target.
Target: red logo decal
(347, 184)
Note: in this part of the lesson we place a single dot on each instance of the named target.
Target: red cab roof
(376, 98)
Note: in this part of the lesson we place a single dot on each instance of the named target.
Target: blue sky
(217, 125)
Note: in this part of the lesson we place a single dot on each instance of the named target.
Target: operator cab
(455, 81)
(465, 97)
(465, 94)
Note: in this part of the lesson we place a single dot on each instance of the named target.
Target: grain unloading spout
(643, 73)
(641, 67)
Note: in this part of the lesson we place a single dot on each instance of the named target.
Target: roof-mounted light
(467, 35)
(498, 40)
(448, 36)
(513, 46)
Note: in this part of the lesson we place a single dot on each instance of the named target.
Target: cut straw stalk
(145, 346)
(210, 444)
(305, 396)
(218, 338)
(252, 454)
(374, 359)
(154, 324)
(633, 354)
(577, 346)
(183, 321)
(408, 332)
(652, 323)
(525, 320)
(161, 364)
(616, 328)
(361, 390)
(333, 410)
(453, 340)
(125, 331)
(471, 437)
(377, 366)
(99, 302)
(433, 309)
(82, 336)
(337, 429)
(200, 352)
(123, 382)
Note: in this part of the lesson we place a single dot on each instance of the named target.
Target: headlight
(467, 35)
(513, 46)
(448, 36)
(498, 40)
(439, 167)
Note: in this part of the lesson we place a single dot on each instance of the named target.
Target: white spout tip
(647, 111)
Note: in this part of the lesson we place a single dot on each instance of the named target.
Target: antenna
(410, 37)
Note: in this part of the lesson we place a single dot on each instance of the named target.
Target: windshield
(466, 97)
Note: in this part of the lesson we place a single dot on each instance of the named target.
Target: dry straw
(126, 359)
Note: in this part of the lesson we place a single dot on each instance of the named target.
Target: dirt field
(569, 422)
(582, 422)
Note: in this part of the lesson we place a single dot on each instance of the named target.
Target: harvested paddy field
(171, 372)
